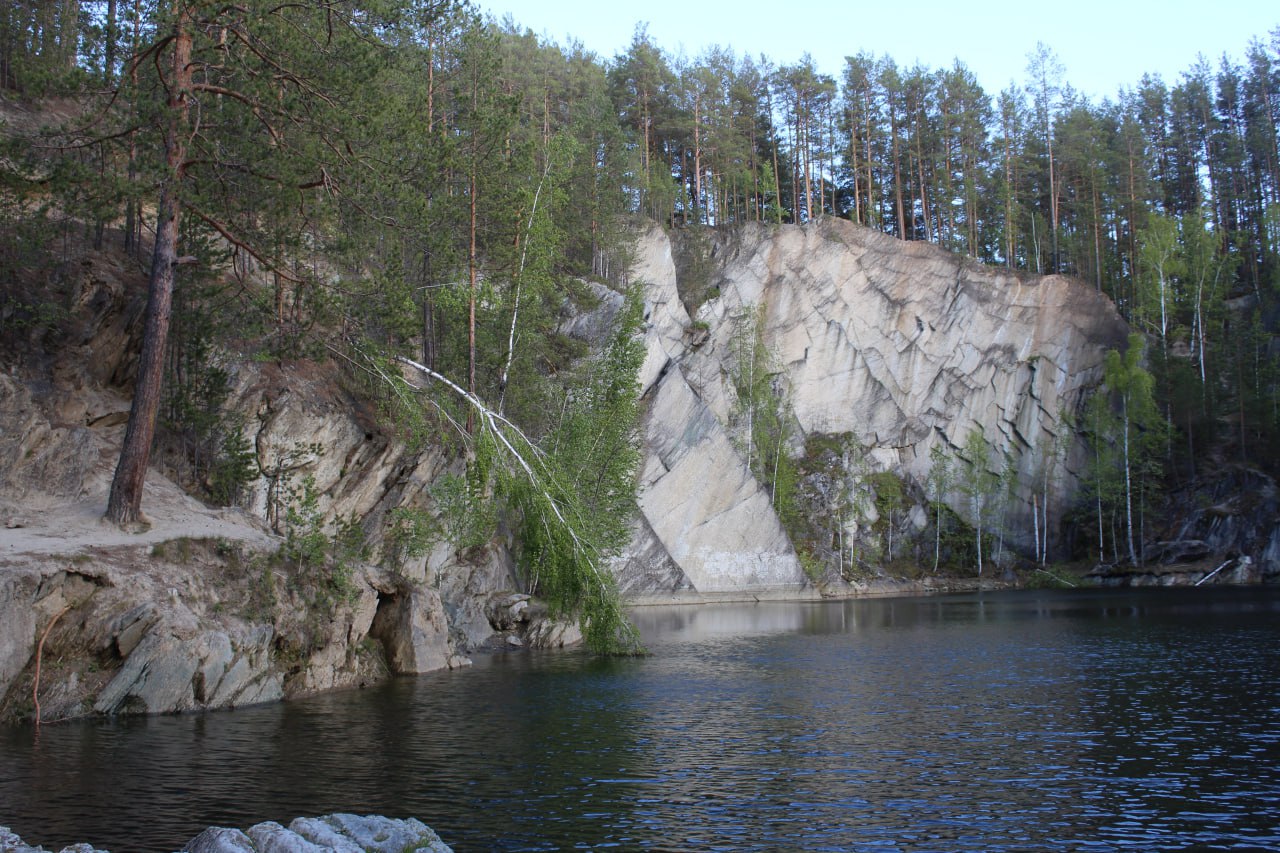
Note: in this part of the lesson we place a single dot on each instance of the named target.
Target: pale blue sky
(1103, 44)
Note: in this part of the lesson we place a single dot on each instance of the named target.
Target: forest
(369, 180)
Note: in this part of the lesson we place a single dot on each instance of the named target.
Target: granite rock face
(700, 500)
(906, 345)
(900, 344)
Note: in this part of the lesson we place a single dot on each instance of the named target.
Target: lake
(1022, 720)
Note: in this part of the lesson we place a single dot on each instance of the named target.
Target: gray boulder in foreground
(335, 833)
(11, 843)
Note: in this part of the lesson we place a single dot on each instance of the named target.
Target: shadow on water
(1011, 721)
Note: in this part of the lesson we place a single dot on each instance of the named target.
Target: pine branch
(241, 245)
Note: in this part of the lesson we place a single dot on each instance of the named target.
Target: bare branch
(241, 245)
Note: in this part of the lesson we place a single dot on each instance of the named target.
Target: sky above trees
(1102, 43)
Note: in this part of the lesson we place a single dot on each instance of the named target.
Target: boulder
(414, 631)
(11, 843)
(335, 833)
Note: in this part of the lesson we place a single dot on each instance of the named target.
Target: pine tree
(270, 124)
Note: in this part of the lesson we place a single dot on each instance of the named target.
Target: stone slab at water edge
(335, 833)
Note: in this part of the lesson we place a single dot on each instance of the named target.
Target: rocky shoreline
(207, 609)
(878, 587)
(334, 833)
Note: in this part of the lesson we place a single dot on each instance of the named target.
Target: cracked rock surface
(901, 344)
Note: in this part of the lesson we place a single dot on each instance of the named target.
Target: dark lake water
(1011, 721)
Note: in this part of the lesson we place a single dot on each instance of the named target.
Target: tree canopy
(406, 178)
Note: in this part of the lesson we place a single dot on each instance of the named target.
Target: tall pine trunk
(124, 506)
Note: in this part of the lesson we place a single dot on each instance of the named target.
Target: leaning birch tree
(571, 494)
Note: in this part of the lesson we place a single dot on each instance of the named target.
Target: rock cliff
(200, 611)
(901, 346)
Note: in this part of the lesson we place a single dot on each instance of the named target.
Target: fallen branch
(1055, 577)
(1212, 573)
(498, 426)
(35, 685)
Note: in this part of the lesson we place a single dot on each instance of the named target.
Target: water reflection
(1042, 721)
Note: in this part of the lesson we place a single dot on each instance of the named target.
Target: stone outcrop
(522, 620)
(900, 344)
(335, 833)
(1234, 570)
(713, 518)
(1233, 513)
(198, 611)
(665, 316)
(202, 625)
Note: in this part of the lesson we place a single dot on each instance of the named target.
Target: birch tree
(938, 485)
(980, 486)
(1158, 254)
(1137, 433)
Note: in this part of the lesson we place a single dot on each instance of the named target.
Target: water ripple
(1033, 721)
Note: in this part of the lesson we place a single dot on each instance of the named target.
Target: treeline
(1166, 198)
(435, 183)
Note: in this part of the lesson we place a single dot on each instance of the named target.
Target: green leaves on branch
(1127, 435)
(982, 488)
(572, 496)
(765, 415)
(576, 508)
